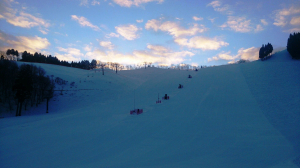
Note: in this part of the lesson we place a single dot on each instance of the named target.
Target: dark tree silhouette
(93, 64)
(8, 74)
(116, 65)
(293, 45)
(265, 51)
(145, 63)
(102, 65)
(23, 86)
(8, 52)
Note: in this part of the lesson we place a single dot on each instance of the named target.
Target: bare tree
(145, 63)
(116, 65)
(102, 65)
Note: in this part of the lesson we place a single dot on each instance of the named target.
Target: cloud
(84, 22)
(112, 35)
(84, 3)
(238, 24)
(129, 32)
(23, 19)
(264, 22)
(292, 30)
(154, 53)
(71, 54)
(295, 21)
(197, 18)
(157, 48)
(217, 5)
(250, 54)
(94, 2)
(44, 31)
(173, 28)
(203, 43)
(61, 34)
(224, 56)
(129, 3)
(235, 23)
(282, 16)
(212, 19)
(107, 44)
(258, 28)
(88, 48)
(22, 43)
(288, 19)
(87, 3)
(166, 58)
(140, 21)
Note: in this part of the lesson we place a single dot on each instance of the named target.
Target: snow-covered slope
(243, 115)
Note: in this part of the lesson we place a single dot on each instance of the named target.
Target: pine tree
(261, 52)
(265, 51)
(293, 45)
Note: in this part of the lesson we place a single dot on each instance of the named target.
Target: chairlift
(166, 97)
(158, 101)
(135, 111)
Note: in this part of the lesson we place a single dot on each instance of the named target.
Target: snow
(241, 115)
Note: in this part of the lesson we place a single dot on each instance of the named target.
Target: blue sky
(159, 31)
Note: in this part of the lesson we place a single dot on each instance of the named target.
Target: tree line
(293, 45)
(23, 85)
(40, 58)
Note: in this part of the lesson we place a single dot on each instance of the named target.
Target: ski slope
(241, 115)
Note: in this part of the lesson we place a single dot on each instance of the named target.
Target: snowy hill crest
(241, 115)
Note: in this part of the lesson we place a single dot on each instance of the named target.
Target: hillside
(241, 115)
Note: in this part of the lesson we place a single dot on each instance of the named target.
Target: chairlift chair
(136, 111)
(166, 97)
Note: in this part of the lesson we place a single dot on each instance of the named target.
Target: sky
(163, 32)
